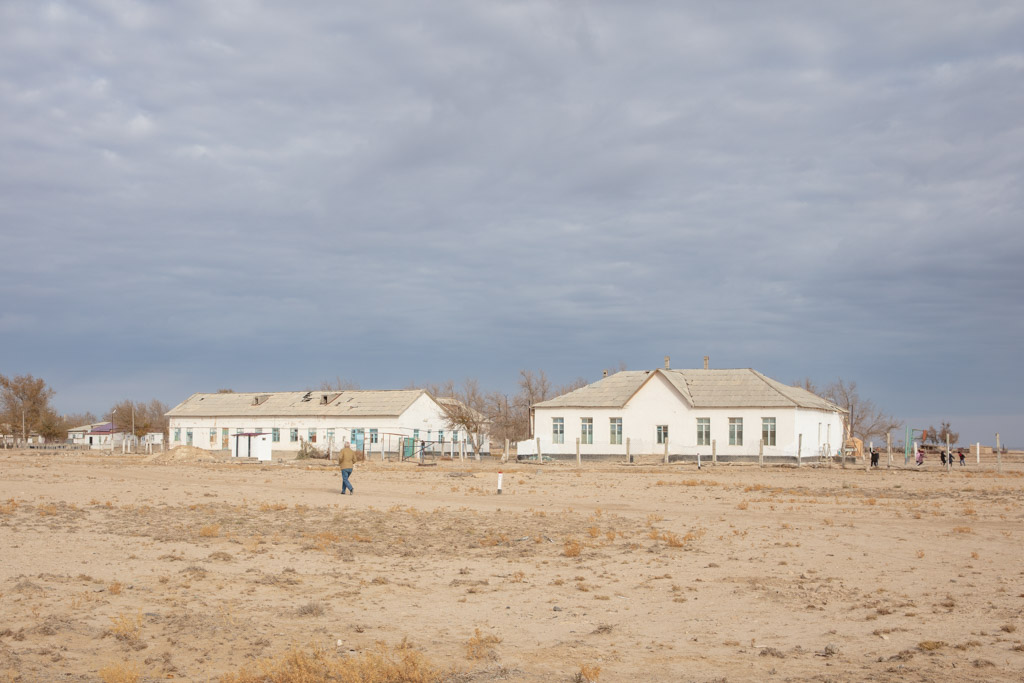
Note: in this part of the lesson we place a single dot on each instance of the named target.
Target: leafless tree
(466, 409)
(25, 406)
(946, 430)
(339, 384)
(862, 418)
(148, 417)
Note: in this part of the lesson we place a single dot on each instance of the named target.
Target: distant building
(98, 435)
(374, 421)
(686, 412)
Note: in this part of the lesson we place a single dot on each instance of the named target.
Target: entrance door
(357, 439)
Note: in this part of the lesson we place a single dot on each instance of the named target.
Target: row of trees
(25, 409)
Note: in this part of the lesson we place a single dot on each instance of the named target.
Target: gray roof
(732, 388)
(382, 403)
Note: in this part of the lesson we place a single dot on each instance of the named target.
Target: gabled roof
(726, 388)
(88, 427)
(383, 403)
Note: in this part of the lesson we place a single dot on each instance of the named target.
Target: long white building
(374, 421)
(685, 413)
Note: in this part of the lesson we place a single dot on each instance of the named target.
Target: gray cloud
(198, 194)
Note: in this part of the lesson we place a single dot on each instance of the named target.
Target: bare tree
(862, 419)
(466, 409)
(25, 405)
(339, 384)
(147, 417)
(944, 431)
(808, 385)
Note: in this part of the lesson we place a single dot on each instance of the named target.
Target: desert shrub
(572, 548)
(381, 664)
(479, 646)
(308, 450)
(126, 626)
(121, 672)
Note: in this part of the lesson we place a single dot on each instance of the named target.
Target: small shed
(251, 445)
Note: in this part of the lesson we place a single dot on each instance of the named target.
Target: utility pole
(24, 437)
(133, 428)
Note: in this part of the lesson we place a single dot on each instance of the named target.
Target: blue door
(357, 439)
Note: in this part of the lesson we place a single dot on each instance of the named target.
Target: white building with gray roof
(374, 421)
(684, 413)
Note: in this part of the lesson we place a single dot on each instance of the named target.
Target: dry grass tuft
(379, 665)
(210, 531)
(588, 673)
(126, 627)
(121, 672)
(931, 645)
(115, 588)
(572, 548)
(479, 646)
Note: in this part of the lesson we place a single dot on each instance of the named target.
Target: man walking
(347, 460)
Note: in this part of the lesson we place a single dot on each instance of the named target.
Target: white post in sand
(977, 451)
(760, 453)
(579, 462)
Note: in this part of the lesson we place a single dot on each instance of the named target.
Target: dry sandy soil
(190, 570)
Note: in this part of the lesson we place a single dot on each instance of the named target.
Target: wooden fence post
(714, 452)
(540, 458)
(666, 450)
(629, 458)
(578, 460)
(760, 454)
(799, 448)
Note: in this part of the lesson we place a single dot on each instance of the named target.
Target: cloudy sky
(262, 196)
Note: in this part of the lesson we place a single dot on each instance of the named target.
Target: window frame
(703, 431)
(661, 434)
(769, 430)
(293, 435)
(615, 431)
(735, 431)
(275, 435)
(586, 431)
(558, 430)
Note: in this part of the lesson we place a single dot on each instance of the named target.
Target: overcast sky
(262, 196)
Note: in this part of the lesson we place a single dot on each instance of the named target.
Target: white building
(374, 421)
(98, 436)
(685, 413)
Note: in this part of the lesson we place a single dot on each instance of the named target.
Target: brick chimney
(667, 364)
(706, 359)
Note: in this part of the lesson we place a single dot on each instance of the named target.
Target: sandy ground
(190, 570)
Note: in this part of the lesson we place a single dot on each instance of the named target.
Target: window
(293, 434)
(586, 430)
(275, 435)
(416, 434)
(259, 430)
(662, 433)
(188, 437)
(615, 437)
(768, 430)
(213, 436)
(224, 438)
(373, 436)
(330, 436)
(455, 436)
(312, 435)
(177, 434)
(558, 430)
(440, 435)
(735, 431)
(703, 431)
